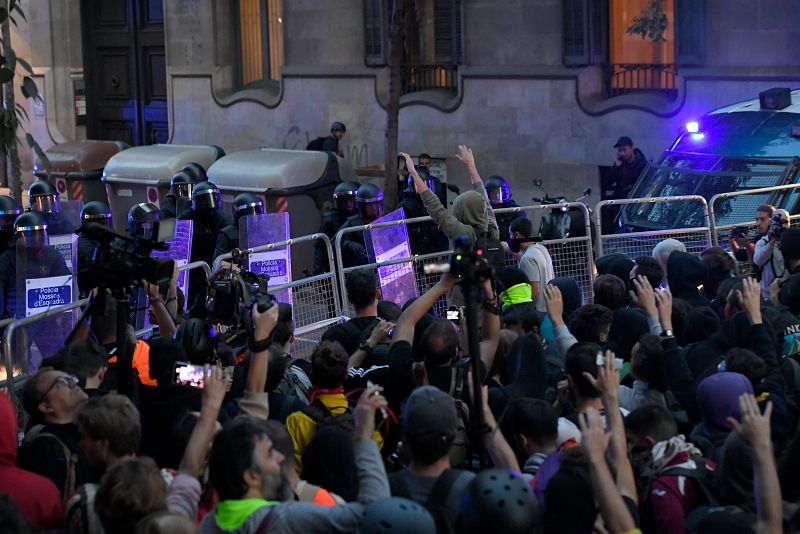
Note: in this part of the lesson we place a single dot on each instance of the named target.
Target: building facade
(540, 89)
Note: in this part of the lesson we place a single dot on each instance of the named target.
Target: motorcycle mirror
(587, 191)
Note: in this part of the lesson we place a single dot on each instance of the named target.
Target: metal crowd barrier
(13, 380)
(315, 299)
(572, 257)
(634, 244)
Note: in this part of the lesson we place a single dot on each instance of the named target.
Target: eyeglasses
(66, 380)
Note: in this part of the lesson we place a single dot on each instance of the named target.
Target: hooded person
(721, 266)
(627, 328)
(662, 251)
(718, 399)
(703, 357)
(701, 324)
(686, 274)
(36, 496)
(617, 264)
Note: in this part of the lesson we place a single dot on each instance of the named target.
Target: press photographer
(767, 255)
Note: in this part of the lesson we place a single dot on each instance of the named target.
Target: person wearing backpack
(330, 143)
(472, 213)
(430, 425)
(328, 404)
(673, 476)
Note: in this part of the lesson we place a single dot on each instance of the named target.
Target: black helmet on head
(142, 219)
(206, 196)
(499, 500)
(197, 171)
(426, 177)
(31, 228)
(247, 204)
(396, 514)
(43, 197)
(9, 211)
(338, 126)
(498, 189)
(197, 339)
(182, 183)
(344, 196)
(369, 199)
(96, 212)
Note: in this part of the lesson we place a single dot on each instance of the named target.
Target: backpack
(316, 144)
(461, 443)
(71, 459)
(323, 417)
(444, 499)
(291, 386)
(492, 250)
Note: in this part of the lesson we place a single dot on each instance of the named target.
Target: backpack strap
(701, 474)
(448, 488)
(71, 459)
(419, 373)
(263, 526)
(317, 411)
(457, 381)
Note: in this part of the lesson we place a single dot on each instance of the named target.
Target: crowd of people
(668, 404)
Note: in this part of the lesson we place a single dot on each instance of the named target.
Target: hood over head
(617, 264)
(469, 208)
(685, 272)
(570, 293)
(628, 325)
(662, 251)
(8, 432)
(718, 398)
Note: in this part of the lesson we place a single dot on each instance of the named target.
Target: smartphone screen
(453, 315)
(187, 374)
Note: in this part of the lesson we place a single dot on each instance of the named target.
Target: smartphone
(454, 314)
(601, 360)
(187, 374)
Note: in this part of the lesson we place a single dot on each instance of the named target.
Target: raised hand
(750, 299)
(644, 296)
(555, 304)
(607, 381)
(754, 427)
(369, 402)
(594, 438)
(465, 156)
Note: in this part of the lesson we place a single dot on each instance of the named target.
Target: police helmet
(143, 219)
(499, 500)
(43, 197)
(338, 126)
(369, 200)
(247, 204)
(31, 228)
(197, 171)
(182, 183)
(397, 514)
(344, 196)
(426, 177)
(498, 189)
(96, 212)
(9, 211)
(197, 339)
(206, 196)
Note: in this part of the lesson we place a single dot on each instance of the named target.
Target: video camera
(232, 294)
(468, 261)
(120, 261)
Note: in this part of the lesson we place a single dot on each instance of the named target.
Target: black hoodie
(685, 273)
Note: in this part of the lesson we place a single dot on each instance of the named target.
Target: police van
(744, 146)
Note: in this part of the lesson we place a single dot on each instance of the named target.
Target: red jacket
(36, 496)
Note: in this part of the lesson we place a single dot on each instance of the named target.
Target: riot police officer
(180, 187)
(9, 211)
(141, 218)
(344, 205)
(499, 193)
(43, 198)
(196, 171)
(369, 200)
(243, 205)
(92, 212)
(423, 237)
(209, 220)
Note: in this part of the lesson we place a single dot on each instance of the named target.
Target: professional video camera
(776, 225)
(232, 294)
(469, 261)
(120, 261)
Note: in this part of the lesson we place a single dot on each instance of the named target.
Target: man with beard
(254, 493)
(535, 260)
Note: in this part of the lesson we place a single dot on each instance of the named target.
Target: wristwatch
(667, 333)
(364, 345)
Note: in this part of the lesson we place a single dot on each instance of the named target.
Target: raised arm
(404, 331)
(255, 401)
(555, 310)
(465, 156)
(490, 323)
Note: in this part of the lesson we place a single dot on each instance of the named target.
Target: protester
(535, 260)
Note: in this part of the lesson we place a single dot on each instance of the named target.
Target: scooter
(562, 222)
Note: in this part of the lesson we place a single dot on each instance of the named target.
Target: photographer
(767, 255)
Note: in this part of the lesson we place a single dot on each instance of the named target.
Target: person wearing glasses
(52, 447)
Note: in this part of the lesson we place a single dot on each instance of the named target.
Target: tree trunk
(400, 10)
(10, 162)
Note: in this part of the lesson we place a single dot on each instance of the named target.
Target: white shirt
(537, 265)
(768, 256)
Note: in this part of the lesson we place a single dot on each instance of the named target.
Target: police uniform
(332, 220)
(354, 251)
(504, 219)
(168, 206)
(227, 240)
(424, 237)
(207, 227)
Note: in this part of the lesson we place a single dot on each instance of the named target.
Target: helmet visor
(497, 196)
(371, 210)
(206, 200)
(345, 201)
(45, 204)
(143, 229)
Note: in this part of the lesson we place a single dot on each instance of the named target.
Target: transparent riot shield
(61, 228)
(398, 281)
(44, 280)
(257, 230)
(180, 250)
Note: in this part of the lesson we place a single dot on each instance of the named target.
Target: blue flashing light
(692, 127)
(698, 136)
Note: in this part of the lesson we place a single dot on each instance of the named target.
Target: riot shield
(257, 230)
(44, 280)
(178, 249)
(398, 282)
(61, 227)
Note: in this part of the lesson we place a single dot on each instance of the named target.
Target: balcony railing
(636, 78)
(430, 78)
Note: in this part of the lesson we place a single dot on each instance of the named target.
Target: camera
(776, 225)
(738, 232)
(468, 261)
(120, 261)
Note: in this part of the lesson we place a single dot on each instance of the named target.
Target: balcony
(640, 78)
(418, 78)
